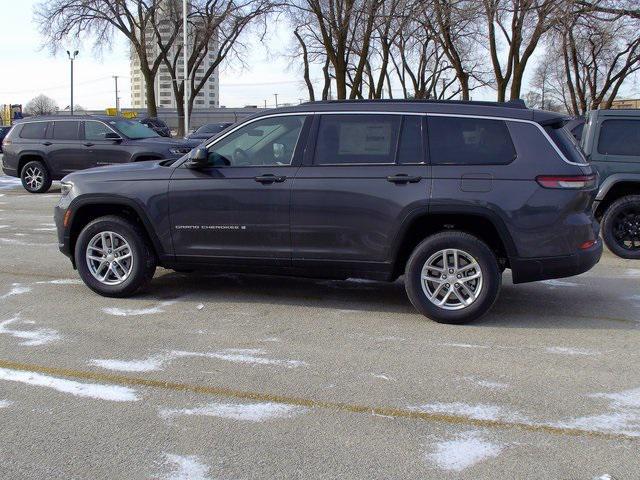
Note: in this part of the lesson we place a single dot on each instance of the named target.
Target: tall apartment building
(208, 97)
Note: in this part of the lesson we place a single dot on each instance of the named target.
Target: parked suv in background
(3, 133)
(157, 126)
(43, 149)
(205, 132)
(447, 193)
(611, 142)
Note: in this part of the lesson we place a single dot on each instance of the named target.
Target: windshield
(211, 128)
(133, 130)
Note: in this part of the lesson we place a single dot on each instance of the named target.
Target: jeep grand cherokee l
(448, 194)
(43, 149)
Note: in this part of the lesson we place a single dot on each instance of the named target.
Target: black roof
(513, 109)
(46, 118)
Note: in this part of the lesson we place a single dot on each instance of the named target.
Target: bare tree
(60, 20)
(214, 31)
(598, 55)
(41, 105)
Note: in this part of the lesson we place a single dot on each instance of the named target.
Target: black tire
(479, 251)
(611, 226)
(144, 259)
(30, 183)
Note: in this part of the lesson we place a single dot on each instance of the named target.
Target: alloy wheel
(451, 279)
(34, 178)
(109, 258)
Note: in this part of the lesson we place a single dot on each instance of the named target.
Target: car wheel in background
(621, 227)
(452, 277)
(35, 177)
(114, 257)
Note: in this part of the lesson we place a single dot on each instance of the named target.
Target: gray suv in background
(448, 194)
(44, 149)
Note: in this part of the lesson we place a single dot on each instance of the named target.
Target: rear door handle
(47, 144)
(403, 178)
(270, 178)
(88, 144)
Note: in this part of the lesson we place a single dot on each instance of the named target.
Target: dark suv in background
(611, 142)
(448, 194)
(43, 149)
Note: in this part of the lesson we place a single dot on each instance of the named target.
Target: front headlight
(66, 187)
(180, 150)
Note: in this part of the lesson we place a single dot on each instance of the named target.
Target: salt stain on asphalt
(157, 362)
(112, 393)
(16, 289)
(467, 449)
(560, 283)
(475, 412)
(32, 338)
(61, 281)
(463, 345)
(129, 312)
(187, 468)
(490, 384)
(247, 412)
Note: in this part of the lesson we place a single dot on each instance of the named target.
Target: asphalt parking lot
(238, 377)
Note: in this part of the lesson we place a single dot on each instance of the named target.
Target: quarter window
(620, 137)
(469, 141)
(35, 131)
(96, 131)
(357, 139)
(65, 130)
(268, 142)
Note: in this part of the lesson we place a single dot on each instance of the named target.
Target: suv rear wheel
(621, 227)
(35, 177)
(452, 277)
(113, 257)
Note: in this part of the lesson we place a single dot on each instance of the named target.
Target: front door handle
(403, 178)
(88, 144)
(270, 178)
(47, 144)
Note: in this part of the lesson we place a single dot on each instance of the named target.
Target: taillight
(576, 182)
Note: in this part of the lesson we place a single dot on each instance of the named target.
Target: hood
(149, 170)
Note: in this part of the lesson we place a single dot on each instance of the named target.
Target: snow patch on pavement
(32, 338)
(187, 468)
(476, 412)
(560, 283)
(61, 281)
(16, 289)
(112, 393)
(9, 182)
(571, 351)
(248, 412)
(462, 345)
(5, 403)
(465, 450)
(493, 385)
(129, 312)
(157, 362)
(632, 272)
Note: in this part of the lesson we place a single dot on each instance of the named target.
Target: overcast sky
(28, 70)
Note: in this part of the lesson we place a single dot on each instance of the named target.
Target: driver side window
(268, 142)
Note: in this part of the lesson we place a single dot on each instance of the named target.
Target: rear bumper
(534, 269)
(12, 172)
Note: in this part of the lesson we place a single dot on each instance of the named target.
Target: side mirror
(199, 158)
(112, 136)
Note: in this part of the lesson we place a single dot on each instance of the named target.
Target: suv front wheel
(621, 227)
(35, 177)
(452, 277)
(114, 257)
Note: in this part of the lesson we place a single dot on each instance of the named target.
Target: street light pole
(72, 58)
(184, 67)
(276, 95)
(117, 97)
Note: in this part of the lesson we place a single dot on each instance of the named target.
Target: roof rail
(518, 103)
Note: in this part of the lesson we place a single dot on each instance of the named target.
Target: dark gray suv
(448, 194)
(43, 149)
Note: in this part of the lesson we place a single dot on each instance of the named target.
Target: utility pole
(276, 95)
(184, 67)
(265, 104)
(72, 58)
(115, 77)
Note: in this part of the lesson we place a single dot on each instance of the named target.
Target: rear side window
(357, 139)
(410, 146)
(469, 141)
(620, 137)
(35, 131)
(567, 143)
(65, 130)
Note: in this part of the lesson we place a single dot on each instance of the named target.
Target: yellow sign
(112, 112)
(129, 114)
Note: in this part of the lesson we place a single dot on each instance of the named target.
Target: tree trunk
(150, 93)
